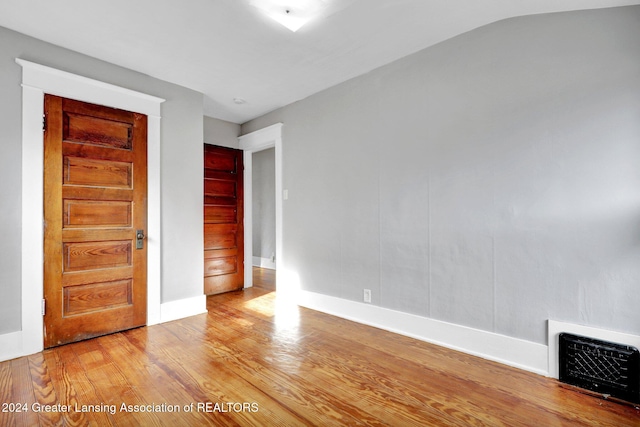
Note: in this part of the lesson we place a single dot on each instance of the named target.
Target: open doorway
(264, 209)
(253, 144)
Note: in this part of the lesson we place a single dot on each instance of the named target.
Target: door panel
(83, 213)
(95, 200)
(220, 214)
(86, 298)
(91, 173)
(83, 256)
(215, 239)
(219, 188)
(223, 220)
(221, 265)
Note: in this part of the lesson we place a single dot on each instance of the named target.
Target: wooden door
(223, 220)
(95, 181)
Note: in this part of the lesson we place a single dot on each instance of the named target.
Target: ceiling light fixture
(293, 14)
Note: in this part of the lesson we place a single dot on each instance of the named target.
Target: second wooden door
(223, 220)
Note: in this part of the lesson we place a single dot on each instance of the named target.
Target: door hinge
(44, 122)
(43, 306)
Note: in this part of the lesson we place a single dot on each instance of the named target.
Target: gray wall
(491, 181)
(264, 203)
(221, 133)
(181, 149)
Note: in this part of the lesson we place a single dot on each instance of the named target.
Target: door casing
(36, 81)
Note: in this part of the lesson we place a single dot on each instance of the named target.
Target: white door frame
(250, 143)
(36, 81)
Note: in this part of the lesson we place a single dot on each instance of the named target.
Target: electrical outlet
(367, 295)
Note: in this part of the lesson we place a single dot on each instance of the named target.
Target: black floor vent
(604, 367)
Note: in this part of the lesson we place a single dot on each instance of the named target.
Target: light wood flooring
(254, 360)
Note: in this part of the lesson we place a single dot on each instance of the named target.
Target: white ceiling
(227, 49)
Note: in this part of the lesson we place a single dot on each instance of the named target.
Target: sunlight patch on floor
(284, 311)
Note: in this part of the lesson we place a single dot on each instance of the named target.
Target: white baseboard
(264, 263)
(556, 327)
(180, 309)
(11, 346)
(514, 352)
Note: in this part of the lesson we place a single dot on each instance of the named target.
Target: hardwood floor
(255, 360)
(264, 278)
